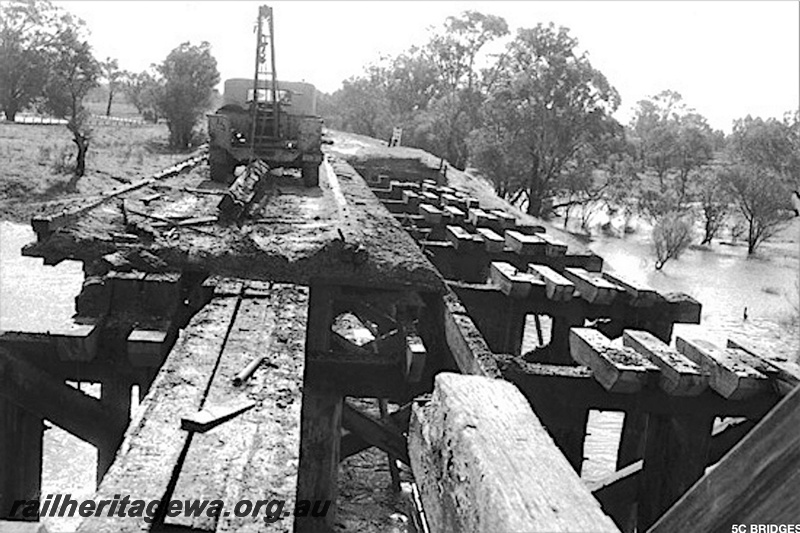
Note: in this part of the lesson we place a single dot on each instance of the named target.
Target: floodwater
(722, 279)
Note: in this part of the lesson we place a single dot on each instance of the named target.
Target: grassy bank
(38, 161)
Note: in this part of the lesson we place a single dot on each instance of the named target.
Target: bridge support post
(116, 397)
(20, 458)
(675, 457)
(320, 424)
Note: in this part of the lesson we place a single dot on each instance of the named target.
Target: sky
(727, 59)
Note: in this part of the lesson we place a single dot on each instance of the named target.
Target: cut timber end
(478, 441)
(557, 287)
(679, 375)
(460, 238)
(432, 214)
(511, 282)
(523, 244)
(592, 286)
(554, 248)
(146, 347)
(616, 369)
(494, 243)
(730, 375)
(416, 354)
(641, 295)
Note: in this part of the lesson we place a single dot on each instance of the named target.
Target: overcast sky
(727, 58)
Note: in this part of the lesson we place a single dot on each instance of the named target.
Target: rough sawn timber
(484, 462)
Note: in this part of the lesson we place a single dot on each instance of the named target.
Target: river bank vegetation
(535, 119)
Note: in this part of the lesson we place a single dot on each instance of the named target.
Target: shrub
(672, 235)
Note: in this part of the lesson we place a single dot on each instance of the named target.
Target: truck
(265, 119)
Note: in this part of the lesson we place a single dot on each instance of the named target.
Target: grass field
(38, 160)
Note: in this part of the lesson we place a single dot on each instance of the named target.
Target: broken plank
(479, 441)
(616, 369)
(679, 375)
(154, 442)
(730, 376)
(512, 283)
(592, 286)
(557, 287)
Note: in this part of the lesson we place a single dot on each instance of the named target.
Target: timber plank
(523, 244)
(492, 241)
(512, 283)
(616, 369)
(592, 286)
(755, 483)
(483, 462)
(432, 214)
(730, 376)
(679, 375)
(461, 238)
(154, 442)
(785, 373)
(641, 294)
(218, 456)
(555, 247)
(557, 287)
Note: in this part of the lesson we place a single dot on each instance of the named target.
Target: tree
(545, 105)
(714, 199)
(673, 140)
(73, 73)
(453, 53)
(113, 76)
(764, 171)
(145, 90)
(672, 235)
(190, 74)
(763, 199)
(29, 31)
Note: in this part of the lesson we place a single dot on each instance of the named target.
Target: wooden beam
(27, 386)
(523, 244)
(675, 457)
(592, 286)
(678, 375)
(641, 295)
(466, 344)
(483, 461)
(21, 452)
(352, 443)
(730, 376)
(155, 444)
(616, 369)
(375, 432)
(492, 241)
(557, 287)
(511, 281)
(756, 483)
(785, 374)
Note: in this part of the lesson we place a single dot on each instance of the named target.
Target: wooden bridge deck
(334, 234)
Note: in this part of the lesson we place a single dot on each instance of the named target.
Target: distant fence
(96, 119)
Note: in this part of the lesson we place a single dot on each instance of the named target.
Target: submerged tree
(546, 104)
(672, 235)
(73, 73)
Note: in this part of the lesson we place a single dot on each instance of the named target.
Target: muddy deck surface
(337, 233)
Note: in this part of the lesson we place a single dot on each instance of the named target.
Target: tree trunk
(11, 111)
(108, 107)
(80, 160)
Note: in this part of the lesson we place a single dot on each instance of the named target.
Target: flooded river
(34, 297)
